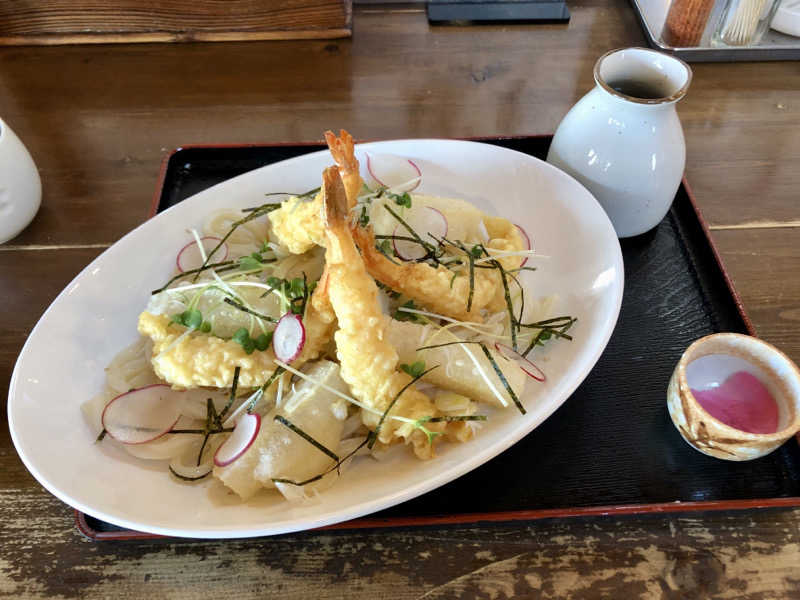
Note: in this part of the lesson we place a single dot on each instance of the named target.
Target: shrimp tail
(335, 215)
(343, 153)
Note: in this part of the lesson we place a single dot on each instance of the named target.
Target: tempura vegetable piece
(298, 223)
(279, 452)
(201, 360)
(458, 372)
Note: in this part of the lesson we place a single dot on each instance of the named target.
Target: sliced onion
(527, 241)
(523, 363)
(143, 414)
(429, 223)
(190, 257)
(169, 445)
(185, 465)
(482, 231)
(394, 172)
(289, 337)
(245, 432)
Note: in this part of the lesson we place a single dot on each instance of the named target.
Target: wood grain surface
(51, 22)
(98, 121)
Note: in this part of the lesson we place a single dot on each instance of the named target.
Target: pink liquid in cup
(742, 402)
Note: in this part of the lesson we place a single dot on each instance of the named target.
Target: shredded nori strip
(386, 254)
(256, 212)
(395, 399)
(457, 418)
(514, 324)
(471, 280)
(548, 330)
(198, 431)
(184, 478)
(371, 435)
(226, 266)
(287, 423)
(503, 379)
(429, 247)
(243, 308)
(277, 373)
(232, 397)
(102, 435)
(495, 366)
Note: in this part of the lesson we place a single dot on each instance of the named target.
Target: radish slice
(245, 432)
(190, 257)
(429, 223)
(143, 414)
(289, 337)
(523, 363)
(394, 172)
(527, 241)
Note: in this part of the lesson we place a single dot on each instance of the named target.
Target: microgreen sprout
(242, 337)
(403, 313)
(403, 199)
(191, 318)
(415, 369)
(254, 262)
(385, 248)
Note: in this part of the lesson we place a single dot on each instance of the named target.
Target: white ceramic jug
(20, 186)
(623, 140)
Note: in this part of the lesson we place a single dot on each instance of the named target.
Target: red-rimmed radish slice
(289, 337)
(523, 363)
(527, 242)
(190, 258)
(426, 221)
(144, 414)
(394, 172)
(245, 432)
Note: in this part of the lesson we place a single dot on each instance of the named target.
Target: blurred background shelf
(51, 22)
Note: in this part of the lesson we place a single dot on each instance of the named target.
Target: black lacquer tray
(611, 447)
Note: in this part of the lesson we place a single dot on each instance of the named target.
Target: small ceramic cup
(709, 362)
(20, 186)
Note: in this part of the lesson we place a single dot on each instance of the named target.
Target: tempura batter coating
(435, 288)
(298, 224)
(201, 360)
(368, 362)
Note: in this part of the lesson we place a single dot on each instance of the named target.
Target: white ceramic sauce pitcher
(20, 186)
(623, 140)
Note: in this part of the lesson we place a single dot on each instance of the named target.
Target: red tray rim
(494, 517)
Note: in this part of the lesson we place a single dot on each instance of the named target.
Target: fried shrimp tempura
(368, 362)
(435, 288)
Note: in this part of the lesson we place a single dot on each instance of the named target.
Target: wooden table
(99, 119)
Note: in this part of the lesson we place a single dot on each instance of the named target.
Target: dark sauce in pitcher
(644, 90)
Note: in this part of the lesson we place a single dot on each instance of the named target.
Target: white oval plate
(62, 362)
